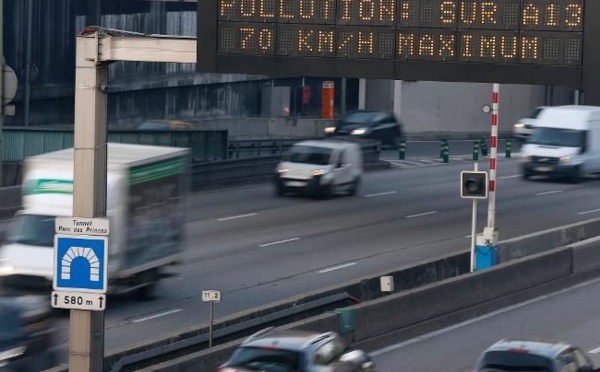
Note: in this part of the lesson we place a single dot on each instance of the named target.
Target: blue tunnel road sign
(80, 263)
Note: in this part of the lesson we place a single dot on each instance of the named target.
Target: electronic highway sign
(502, 41)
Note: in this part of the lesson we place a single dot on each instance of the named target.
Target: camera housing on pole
(473, 184)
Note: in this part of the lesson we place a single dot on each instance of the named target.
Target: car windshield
(309, 155)
(535, 113)
(514, 362)
(267, 359)
(32, 230)
(558, 137)
(360, 117)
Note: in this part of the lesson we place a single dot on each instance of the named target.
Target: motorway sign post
(78, 300)
(80, 263)
(211, 296)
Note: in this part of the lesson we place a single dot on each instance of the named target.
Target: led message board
(504, 41)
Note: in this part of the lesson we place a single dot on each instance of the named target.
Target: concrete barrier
(586, 255)
(522, 246)
(401, 310)
(267, 128)
(439, 292)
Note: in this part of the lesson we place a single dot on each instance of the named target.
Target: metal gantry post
(86, 341)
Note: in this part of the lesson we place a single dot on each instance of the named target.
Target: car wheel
(324, 192)
(526, 174)
(354, 187)
(279, 189)
(577, 175)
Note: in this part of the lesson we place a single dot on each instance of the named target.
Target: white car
(523, 128)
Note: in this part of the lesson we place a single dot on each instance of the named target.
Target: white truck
(147, 188)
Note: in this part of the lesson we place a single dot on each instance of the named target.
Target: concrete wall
(512, 249)
(457, 107)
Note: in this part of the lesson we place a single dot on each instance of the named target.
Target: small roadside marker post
(211, 296)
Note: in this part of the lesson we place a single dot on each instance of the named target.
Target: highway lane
(258, 248)
(570, 316)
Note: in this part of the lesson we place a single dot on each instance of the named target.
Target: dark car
(27, 334)
(378, 125)
(533, 356)
(274, 350)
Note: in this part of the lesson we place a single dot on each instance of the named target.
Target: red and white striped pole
(493, 157)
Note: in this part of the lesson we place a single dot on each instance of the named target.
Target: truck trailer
(147, 191)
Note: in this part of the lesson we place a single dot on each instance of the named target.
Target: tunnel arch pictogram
(88, 254)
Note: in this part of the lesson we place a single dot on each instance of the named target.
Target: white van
(320, 168)
(564, 143)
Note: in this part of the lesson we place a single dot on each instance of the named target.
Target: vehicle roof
(570, 116)
(284, 339)
(538, 347)
(118, 153)
(331, 144)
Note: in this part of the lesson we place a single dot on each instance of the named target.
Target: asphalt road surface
(257, 248)
(570, 316)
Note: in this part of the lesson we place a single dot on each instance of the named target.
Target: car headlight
(281, 170)
(329, 130)
(519, 125)
(359, 131)
(525, 156)
(319, 172)
(564, 159)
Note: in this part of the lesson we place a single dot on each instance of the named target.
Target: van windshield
(32, 229)
(309, 155)
(558, 137)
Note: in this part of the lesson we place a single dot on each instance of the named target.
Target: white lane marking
(513, 176)
(595, 351)
(590, 211)
(468, 236)
(382, 194)
(336, 267)
(548, 192)
(278, 242)
(238, 216)
(427, 336)
(139, 320)
(421, 214)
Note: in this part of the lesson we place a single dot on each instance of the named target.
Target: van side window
(345, 159)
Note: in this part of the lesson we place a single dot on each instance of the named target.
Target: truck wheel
(148, 291)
